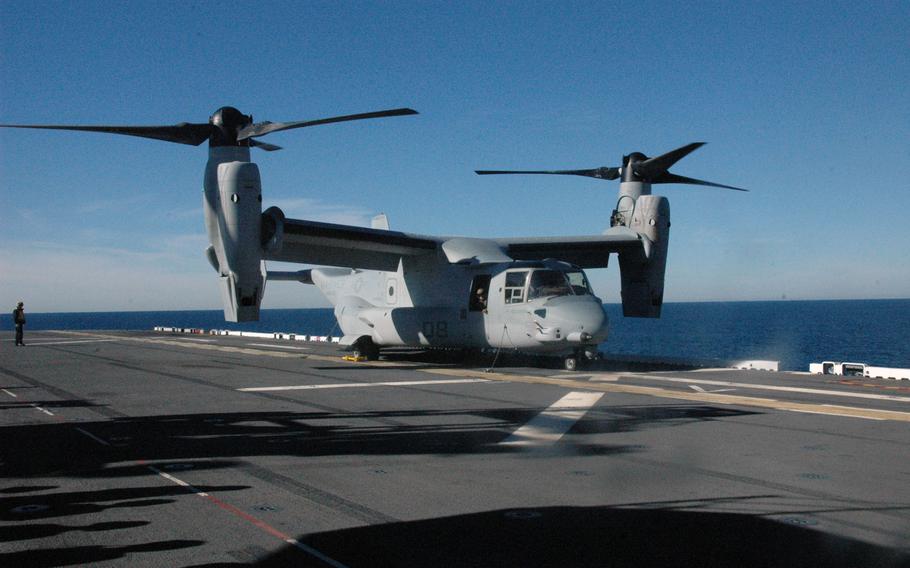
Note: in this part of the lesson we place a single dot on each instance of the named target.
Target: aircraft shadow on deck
(582, 537)
(219, 438)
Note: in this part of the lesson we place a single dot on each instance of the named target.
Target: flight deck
(159, 449)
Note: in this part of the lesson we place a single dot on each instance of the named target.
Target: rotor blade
(263, 128)
(653, 167)
(599, 173)
(264, 146)
(183, 133)
(673, 178)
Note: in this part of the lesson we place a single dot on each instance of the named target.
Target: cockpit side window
(480, 291)
(579, 283)
(515, 287)
(545, 283)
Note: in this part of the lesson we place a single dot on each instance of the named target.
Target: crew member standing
(19, 319)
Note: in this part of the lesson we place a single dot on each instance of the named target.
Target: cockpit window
(579, 283)
(546, 283)
(515, 287)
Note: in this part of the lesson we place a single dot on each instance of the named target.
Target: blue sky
(804, 103)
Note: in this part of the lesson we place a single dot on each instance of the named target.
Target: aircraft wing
(585, 252)
(328, 244)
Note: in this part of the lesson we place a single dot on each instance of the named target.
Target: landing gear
(367, 349)
(579, 358)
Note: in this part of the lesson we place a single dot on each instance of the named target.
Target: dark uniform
(19, 320)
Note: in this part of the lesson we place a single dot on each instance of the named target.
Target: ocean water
(795, 333)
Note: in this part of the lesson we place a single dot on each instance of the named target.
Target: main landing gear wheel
(367, 349)
(570, 362)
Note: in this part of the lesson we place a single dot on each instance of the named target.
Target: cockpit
(531, 284)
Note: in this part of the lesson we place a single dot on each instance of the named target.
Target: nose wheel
(579, 358)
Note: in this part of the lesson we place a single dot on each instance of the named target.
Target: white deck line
(93, 437)
(273, 346)
(364, 385)
(773, 388)
(40, 343)
(552, 424)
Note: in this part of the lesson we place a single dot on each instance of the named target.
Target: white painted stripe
(278, 346)
(179, 482)
(9, 393)
(606, 377)
(48, 412)
(697, 388)
(196, 339)
(313, 552)
(774, 388)
(571, 376)
(839, 414)
(364, 385)
(550, 425)
(93, 437)
(69, 342)
(597, 377)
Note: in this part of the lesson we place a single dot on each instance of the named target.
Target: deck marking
(199, 339)
(232, 349)
(9, 393)
(93, 437)
(262, 525)
(48, 412)
(551, 424)
(602, 377)
(697, 388)
(40, 343)
(845, 411)
(278, 346)
(363, 385)
(826, 413)
(774, 388)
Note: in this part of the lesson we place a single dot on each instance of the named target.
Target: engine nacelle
(235, 222)
(643, 275)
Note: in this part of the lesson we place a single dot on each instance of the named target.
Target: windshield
(548, 283)
(579, 283)
(545, 283)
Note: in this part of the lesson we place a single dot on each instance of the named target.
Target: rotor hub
(227, 122)
(628, 166)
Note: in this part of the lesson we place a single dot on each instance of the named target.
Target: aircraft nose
(582, 320)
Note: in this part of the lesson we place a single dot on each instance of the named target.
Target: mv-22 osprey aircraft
(398, 289)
